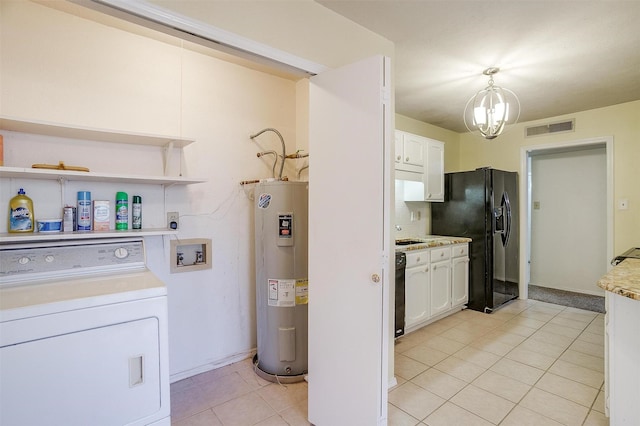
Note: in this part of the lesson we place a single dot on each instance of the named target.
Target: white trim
(213, 365)
(240, 45)
(525, 200)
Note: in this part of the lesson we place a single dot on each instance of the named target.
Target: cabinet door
(398, 147)
(460, 281)
(434, 171)
(413, 150)
(440, 287)
(416, 284)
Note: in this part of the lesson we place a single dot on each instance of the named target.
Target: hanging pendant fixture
(491, 109)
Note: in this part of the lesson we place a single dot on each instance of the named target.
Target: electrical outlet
(172, 220)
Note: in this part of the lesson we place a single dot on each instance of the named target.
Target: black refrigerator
(483, 205)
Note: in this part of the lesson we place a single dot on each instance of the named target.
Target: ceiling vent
(545, 129)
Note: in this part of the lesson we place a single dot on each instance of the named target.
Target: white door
(349, 270)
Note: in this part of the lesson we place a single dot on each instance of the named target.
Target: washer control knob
(23, 260)
(48, 258)
(121, 253)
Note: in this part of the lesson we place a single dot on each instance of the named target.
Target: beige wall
(65, 64)
(466, 152)
(61, 68)
(620, 121)
(301, 27)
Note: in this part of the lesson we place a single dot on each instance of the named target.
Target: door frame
(526, 152)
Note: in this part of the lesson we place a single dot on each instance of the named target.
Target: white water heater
(281, 220)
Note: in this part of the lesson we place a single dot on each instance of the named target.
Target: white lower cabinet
(440, 299)
(459, 280)
(622, 370)
(436, 283)
(416, 282)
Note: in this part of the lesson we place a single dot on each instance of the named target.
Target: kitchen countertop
(623, 279)
(431, 241)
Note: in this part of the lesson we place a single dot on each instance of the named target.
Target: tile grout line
(527, 338)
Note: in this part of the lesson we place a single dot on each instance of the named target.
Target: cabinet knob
(428, 195)
(406, 159)
(399, 158)
(418, 259)
(442, 254)
(426, 269)
(375, 278)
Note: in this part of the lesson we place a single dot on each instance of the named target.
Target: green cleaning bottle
(122, 211)
(21, 213)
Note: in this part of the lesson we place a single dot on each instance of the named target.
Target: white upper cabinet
(419, 163)
(434, 171)
(410, 153)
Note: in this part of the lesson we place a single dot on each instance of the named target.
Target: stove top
(632, 253)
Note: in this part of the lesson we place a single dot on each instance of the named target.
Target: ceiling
(558, 56)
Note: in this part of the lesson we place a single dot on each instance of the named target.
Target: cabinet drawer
(460, 250)
(438, 255)
(418, 258)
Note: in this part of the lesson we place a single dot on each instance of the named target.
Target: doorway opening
(567, 211)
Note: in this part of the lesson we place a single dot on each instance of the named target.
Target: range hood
(411, 185)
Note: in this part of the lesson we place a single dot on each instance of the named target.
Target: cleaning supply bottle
(136, 212)
(85, 214)
(122, 211)
(21, 213)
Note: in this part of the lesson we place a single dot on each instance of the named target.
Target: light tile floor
(529, 363)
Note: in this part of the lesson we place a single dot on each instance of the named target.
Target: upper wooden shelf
(67, 175)
(86, 133)
(28, 237)
(89, 134)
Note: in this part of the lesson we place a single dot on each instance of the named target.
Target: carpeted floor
(567, 298)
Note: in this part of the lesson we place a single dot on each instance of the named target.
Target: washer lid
(25, 301)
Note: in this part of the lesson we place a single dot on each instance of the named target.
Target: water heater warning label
(282, 293)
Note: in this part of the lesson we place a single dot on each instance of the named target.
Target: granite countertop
(430, 241)
(623, 279)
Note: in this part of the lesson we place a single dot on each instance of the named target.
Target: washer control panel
(70, 257)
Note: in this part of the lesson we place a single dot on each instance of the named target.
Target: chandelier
(491, 109)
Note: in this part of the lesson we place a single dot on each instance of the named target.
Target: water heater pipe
(275, 160)
(284, 154)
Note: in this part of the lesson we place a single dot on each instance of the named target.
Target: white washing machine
(83, 335)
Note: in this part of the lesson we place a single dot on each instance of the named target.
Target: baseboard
(212, 365)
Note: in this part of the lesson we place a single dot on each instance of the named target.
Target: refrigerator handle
(507, 205)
